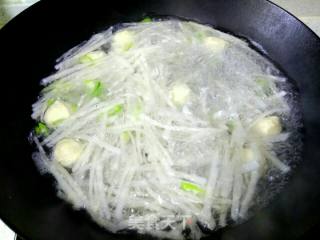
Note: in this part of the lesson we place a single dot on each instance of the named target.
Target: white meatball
(57, 112)
(180, 94)
(217, 45)
(268, 126)
(123, 40)
(67, 152)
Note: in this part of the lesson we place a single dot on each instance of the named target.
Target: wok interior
(29, 200)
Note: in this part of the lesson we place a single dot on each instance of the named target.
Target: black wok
(29, 46)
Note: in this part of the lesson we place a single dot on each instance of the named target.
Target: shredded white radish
(164, 110)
